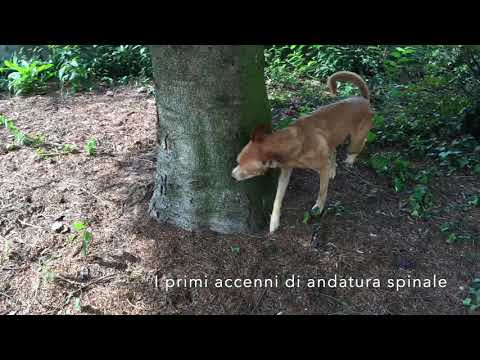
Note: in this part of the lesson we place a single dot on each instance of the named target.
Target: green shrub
(75, 67)
(26, 76)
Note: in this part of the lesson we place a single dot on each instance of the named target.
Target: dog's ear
(260, 132)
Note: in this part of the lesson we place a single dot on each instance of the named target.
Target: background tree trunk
(209, 98)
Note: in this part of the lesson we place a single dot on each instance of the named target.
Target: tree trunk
(209, 98)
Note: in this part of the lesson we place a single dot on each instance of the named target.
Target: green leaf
(476, 283)
(61, 73)
(76, 304)
(398, 184)
(91, 147)
(87, 238)
(474, 307)
(14, 76)
(79, 226)
(12, 65)
(452, 238)
(379, 163)
(68, 148)
(378, 121)
(44, 67)
(476, 169)
(467, 302)
(445, 227)
(476, 201)
(306, 217)
(371, 137)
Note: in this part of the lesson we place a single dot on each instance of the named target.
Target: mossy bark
(209, 98)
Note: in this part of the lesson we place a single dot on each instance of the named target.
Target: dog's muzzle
(237, 174)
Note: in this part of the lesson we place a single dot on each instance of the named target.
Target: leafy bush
(24, 77)
(118, 62)
(320, 61)
(71, 69)
(75, 67)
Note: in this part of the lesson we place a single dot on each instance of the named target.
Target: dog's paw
(350, 159)
(333, 173)
(274, 224)
(317, 209)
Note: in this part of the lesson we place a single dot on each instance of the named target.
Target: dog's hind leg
(358, 141)
(333, 164)
(322, 192)
(283, 181)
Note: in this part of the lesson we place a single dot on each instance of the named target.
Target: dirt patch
(366, 234)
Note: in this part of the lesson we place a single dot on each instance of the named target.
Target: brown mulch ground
(367, 234)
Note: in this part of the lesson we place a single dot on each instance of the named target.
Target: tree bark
(209, 98)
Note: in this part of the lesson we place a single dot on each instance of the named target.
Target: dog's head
(252, 161)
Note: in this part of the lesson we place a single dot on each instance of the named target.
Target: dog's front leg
(283, 181)
(322, 193)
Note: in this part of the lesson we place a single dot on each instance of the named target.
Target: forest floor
(365, 234)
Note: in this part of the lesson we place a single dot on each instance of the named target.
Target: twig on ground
(137, 307)
(83, 286)
(96, 196)
(336, 300)
(6, 295)
(259, 300)
(31, 225)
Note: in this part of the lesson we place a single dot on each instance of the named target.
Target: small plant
(306, 217)
(449, 228)
(48, 274)
(77, 304)
(37, 141)
(475, 202)
(337, 209)
(371, 137)
(41, 153)
(311, 214)
(12, 147)
(235, 249)
(91, 147)
(68, 148)
(476, 169)
(19, 136)
(86, 236)
(72, 73)
(420, 200)
(472, 302)
(393, 166)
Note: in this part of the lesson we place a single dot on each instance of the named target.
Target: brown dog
(309, 143)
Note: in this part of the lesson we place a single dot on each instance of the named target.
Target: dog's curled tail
(349, 77)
